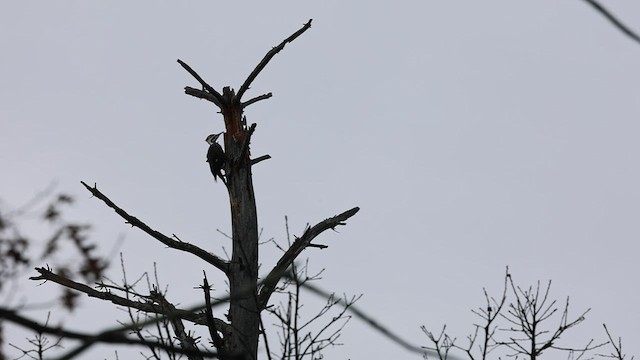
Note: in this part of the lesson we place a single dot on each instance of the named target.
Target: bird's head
(213, 138)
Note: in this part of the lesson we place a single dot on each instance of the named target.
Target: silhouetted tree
(522, 323)
(235, 337)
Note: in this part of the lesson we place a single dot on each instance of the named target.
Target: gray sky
(472, 134)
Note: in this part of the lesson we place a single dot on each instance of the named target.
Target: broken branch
(256, 99)
(260, 158)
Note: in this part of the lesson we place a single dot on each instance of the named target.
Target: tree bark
(243, 274)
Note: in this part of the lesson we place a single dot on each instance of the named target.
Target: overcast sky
(472, 134)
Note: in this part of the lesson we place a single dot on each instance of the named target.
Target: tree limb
(256, 99)
(108, 336)
(270, 282)
(178, 245)
(260, 158)
(187, 342)
(216, 97)
(269, 56)
(218, 342)
(147, 307)
(607, 14)
(201, 94)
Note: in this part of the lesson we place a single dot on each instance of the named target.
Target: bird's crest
(212, 138)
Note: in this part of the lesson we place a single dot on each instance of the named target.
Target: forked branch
(209, 93)
(215, 97)
(202, 94)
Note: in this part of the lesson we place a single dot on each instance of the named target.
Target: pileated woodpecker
(215, 156)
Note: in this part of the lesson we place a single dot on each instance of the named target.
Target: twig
(321, 344)
(618, 354)
(178, 245)
(266, 340)
(187, 342)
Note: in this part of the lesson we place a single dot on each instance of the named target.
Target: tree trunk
(243, 276)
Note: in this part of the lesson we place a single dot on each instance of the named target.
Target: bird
(216, 156)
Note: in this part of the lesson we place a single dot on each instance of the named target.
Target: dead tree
(248, 298)
(237, 336)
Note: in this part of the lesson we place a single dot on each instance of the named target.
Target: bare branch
(148, 307)
(166, 313)
(211, 324)
(266, 340)
(256, 99)
(301, 339)
(316, 343)
(108, 336)
(187, 342)
(201, 94)
(178, 245)
(617, 354)
(292, 253)
(269, 56)
(607, 14)
(216, 97)
(527, 315)
(260, 158)
(442, 344)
